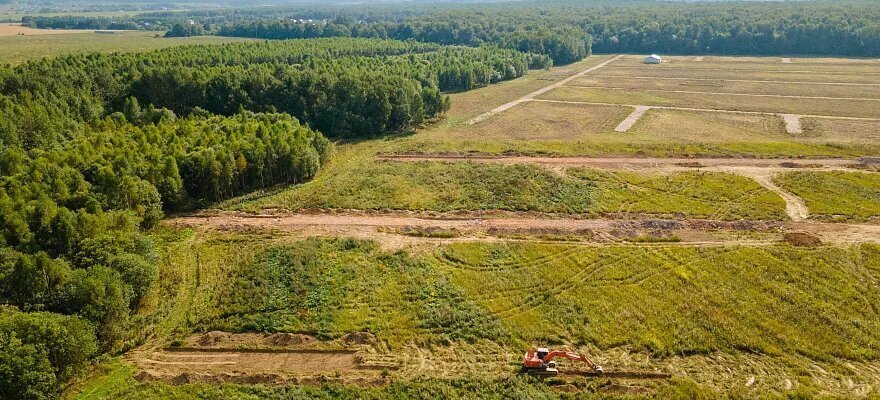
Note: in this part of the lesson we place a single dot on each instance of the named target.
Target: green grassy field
(439, 186)
(19, 49)
(676, 305)
(836, 195)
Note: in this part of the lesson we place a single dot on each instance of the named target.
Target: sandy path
(591, 103)
(530, 96)
(631, 120)
(794, 206)
(783, 96)
(792, 123)
(666, 78)
(482, 226)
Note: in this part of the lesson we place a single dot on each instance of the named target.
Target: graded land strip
(398, 229)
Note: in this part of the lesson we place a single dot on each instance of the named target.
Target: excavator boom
(541, 361)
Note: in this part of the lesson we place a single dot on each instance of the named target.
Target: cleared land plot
(842, 131)
(17, 29)
(792, 308)
(545, 121)
(722, 86)
(441, 186)
(836, 195)
(768, 64)
(19, 49)
(844, 108)
(729, 72)
(705, 127)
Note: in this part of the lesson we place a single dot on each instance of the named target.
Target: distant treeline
(77, 22)
(566, 30)
(95, 148)
(567, 34)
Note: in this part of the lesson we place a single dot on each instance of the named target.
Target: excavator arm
(572, 356)
(541, 361)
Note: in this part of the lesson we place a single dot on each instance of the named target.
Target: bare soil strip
(667, 78)
(590, 103)
(794, 206)
(792, 123)
(530, 96)
(784, 96)
(654, 164)
(483, 226)
(631, 120)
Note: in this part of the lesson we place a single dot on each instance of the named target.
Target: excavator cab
(542, 352)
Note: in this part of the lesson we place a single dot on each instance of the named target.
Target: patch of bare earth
(280, 358)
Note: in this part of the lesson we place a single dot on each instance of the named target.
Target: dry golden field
(733, 86)
(810, 106)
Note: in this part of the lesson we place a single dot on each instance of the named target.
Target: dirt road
(654, 164)
(504, 107)
(398, 229)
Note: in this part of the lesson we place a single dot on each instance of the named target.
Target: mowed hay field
(546, 121)
(732, 86)
(768, 104)
(561, 125)
(19, 49)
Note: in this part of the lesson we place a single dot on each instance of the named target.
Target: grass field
(724, 86)
(439, 186)
(836, 195)
(834, 107)
(674, 306)
(19, 49)
(754, 319)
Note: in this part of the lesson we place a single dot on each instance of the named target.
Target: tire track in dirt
(504, 107)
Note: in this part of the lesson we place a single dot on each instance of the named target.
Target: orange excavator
(542, 362)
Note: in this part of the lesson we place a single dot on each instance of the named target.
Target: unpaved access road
(504, 107)
(659, 164)
(390, 228)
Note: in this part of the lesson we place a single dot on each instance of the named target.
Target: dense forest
(94, 149)
(565, 30)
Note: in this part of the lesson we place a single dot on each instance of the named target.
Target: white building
(653, 59)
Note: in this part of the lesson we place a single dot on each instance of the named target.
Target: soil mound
(212, 338)
(802, 239)
(360, 338)
(288, 339)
